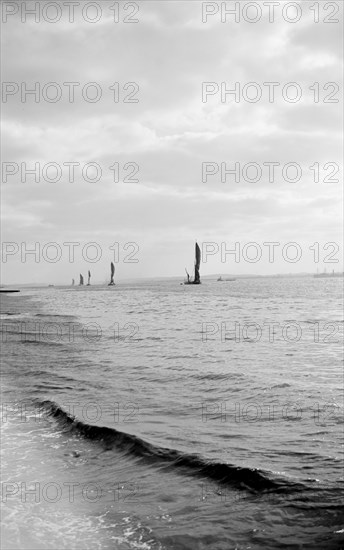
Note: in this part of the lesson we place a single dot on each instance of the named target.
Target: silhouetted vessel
(89, 279)
(9, 290)
(197, 279)
(81, 283)
(224, 280)
(112, 283)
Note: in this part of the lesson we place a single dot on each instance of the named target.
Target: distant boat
(73, 282)
(8, 290)
(197, 279)
(224, 280)
(50, 286)
(188, 276)
(111, 283)
(326, 275)
(89, 279)
(81, 280)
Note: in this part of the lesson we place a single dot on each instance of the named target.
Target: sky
(169, 138)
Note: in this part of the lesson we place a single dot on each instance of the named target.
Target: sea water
(162, 416)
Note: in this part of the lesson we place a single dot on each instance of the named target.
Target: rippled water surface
(158, 415)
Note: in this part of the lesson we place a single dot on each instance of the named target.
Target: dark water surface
(161, 416)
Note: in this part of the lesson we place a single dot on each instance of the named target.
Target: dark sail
(112, 274)
(73, 282)
(197, 279)
(89, 279)
(81, 280)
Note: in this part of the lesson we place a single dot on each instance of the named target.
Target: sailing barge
(197, 279)
(112, 282)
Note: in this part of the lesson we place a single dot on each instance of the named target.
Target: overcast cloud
(169, 133)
